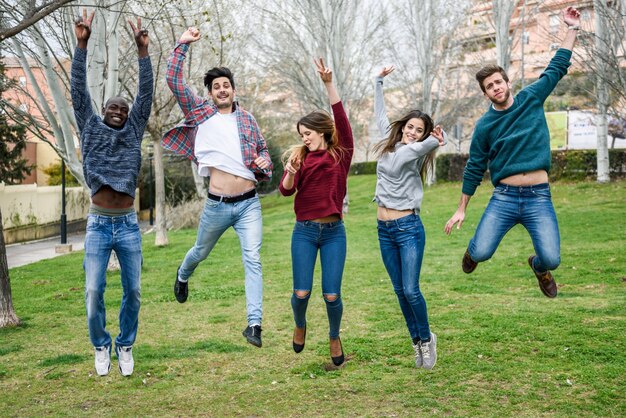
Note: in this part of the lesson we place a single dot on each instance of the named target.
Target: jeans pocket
(212, 204)
(92, 224)
(542, 193)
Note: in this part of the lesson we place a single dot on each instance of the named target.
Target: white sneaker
(429, 352)
(418, 355)
(103, 360)
(125, 360)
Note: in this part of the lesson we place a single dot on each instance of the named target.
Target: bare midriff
(226, 184)
(108, 198)
(326, 219)
(526, 179)
(385, 214)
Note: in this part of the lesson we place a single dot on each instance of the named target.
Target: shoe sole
(250, 341)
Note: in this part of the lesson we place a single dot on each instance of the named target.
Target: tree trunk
(602, 91)
(159, 181)
(7, 314)
(502, 12)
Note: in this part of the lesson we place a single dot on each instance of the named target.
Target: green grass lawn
(504, 349)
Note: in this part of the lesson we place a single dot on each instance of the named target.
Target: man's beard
(503, 100)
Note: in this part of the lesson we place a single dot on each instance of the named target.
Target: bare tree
(40, 48)
(19, 19)
(602, 91)
(346, 33)
(502, 13)
(601, 53)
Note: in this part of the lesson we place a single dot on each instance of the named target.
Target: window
(555, 23)
(23, 107)
(585, 15)
(23, 81)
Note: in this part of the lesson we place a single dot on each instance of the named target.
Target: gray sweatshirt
(398, 184)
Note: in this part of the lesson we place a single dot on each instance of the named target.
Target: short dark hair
(217, 72)
(488, 70)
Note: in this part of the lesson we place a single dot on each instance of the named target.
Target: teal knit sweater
(515, 140)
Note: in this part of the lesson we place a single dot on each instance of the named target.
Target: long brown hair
(395, 135)
(319, 121)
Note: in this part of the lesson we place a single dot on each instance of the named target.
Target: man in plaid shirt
(226, 143)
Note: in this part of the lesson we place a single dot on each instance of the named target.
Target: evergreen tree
(13, 167)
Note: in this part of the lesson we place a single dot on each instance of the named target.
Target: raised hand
(571, 16)
(141, 35)
(82, 27)
(386, 71)
(438, 133)
(192, 34)
(326, 74)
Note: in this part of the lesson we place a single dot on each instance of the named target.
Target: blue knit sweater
(515, 140)
(111, 157)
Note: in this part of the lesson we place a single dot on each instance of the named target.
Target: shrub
(53, 171)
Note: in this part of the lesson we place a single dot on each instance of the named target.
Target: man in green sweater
(512, 140)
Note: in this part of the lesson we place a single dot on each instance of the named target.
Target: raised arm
(380, 111)
(140, 111)
(326, 75)
(571, 17)
(81, 100)
(557, 68)
(186, 98)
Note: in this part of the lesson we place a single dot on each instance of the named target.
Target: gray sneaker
(103, 360)
(429, 352)
(418, 355)
(126, 363)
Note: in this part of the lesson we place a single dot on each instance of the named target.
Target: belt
(232, 199)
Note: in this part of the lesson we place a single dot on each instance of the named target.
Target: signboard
(576, 129)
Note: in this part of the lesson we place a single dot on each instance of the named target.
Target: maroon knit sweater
(321, 181)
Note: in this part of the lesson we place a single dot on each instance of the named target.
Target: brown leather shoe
(546, 281)
(467, 263)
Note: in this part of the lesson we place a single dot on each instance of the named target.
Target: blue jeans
(330, 239)
(104, 234)
(245, 218)
(402, 244)
(511, 205)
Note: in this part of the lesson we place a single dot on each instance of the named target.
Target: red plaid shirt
(181, 138)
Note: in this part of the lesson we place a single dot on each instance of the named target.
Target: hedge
(566, 165)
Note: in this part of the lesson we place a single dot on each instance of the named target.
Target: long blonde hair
(395, 135)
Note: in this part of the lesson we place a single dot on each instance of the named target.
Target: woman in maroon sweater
(317, 172)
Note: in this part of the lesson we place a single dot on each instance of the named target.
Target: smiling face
(498, 90)
(223, 93)
(413, 131)
(312, 139)
(115, 112)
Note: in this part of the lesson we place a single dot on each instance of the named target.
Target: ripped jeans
(330, 239)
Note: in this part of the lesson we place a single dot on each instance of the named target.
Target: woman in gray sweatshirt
(404, 157)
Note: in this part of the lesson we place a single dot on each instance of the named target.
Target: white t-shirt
(217, 145)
